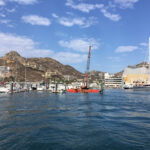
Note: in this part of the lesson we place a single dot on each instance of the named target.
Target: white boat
(4, 89)
(128, 86)
(40, 88)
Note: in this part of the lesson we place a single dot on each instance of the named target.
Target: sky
(117, 30)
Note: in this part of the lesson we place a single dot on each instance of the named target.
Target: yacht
(128, 86)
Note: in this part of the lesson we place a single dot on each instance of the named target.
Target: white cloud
(2, 3)
(23, 45)
(2, 15)
(83, 6)
(125, 3)
(113, 17)
(144, 44)
(83, 22)
(27, 47)
(80, 21)
(54, 15)
(11, 10)
(68, 57)
(24, 2)
(80, 45)
(114, 59)
(36, 20)
(6, 22)
(122, 49)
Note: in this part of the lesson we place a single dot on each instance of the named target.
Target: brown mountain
(37, 69)
(96, 75)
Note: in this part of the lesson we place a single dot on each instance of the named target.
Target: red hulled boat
(85, 89)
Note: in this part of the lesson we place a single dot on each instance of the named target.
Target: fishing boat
(85, 88)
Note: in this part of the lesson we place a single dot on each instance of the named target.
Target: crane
(87, 69)
(85, 88)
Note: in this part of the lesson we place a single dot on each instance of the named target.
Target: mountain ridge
(37, 69)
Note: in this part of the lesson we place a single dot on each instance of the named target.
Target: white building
(4, 71)
(111, 81)
(136, 75)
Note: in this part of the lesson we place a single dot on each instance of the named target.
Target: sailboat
(145, 86)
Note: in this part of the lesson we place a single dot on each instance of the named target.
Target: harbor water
(116, 120)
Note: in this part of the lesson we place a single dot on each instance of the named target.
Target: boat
(4, 89)
(128, 86)
(85, 88)
(144, 86)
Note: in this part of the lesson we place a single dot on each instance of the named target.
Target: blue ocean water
(116, 120)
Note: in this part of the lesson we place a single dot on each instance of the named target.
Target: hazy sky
(118, 31)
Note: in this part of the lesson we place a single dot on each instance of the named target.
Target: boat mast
(149, 63)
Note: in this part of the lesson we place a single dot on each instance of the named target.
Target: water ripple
(116, 120)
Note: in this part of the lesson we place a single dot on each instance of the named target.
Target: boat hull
(145, 87)
(83, 90)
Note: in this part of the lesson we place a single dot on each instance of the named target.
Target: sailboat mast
(149, 62)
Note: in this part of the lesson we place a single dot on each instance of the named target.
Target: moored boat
(128, 86)
(83, 90)
(4, 90)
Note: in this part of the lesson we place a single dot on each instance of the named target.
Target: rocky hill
(142, 64)
(40, 69)
(118, 74)
(96, 75)
(37, 69)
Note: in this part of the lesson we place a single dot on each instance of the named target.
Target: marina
(74, 75)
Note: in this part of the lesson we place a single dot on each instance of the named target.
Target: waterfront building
(112, 81)
(30, 64)
(69, 77)
(50, 74)
(4, 71)
(136, 75)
